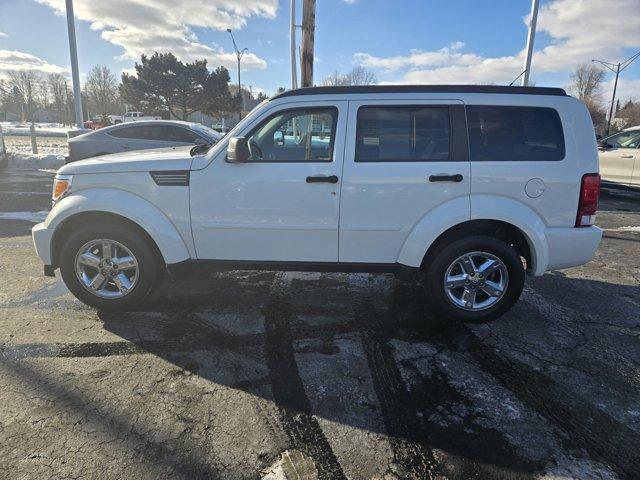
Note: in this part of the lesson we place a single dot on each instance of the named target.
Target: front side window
(624, 140)
(403, 134)
(506, 134)
(300, 135)
(170, 133)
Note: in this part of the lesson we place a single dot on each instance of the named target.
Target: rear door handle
(626, 156)
(446, 178)
(330, 179)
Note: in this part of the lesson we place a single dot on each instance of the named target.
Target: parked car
(139, 136)
(135, 117)
(620, 158)
(466, 185)
(97, 123)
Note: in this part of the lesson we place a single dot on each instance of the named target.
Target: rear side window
(515, 134)
(143, 133)
(403, 134)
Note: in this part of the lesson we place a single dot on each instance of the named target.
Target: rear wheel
(474, 279)
(108, 267)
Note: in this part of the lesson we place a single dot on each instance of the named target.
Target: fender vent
(171, 178)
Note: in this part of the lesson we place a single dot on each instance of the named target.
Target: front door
(404, 160)
(618, 156)
(283, 204)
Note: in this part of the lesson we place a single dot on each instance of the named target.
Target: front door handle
(626, 156)
(330, 179)
(446, 178)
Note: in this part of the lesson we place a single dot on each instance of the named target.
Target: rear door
(403, 159)
(139, 137)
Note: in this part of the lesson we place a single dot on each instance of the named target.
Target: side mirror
(238, 150)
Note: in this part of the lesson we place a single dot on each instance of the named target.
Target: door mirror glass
(238, 150)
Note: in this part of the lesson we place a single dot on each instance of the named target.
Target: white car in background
(135, 117)
(140, 136)
(620, 158)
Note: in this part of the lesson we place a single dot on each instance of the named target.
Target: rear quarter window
(515, 134)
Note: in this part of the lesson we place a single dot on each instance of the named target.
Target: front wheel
(474, 279)
(108, 267)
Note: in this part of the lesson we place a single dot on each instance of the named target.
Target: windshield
(208, 132)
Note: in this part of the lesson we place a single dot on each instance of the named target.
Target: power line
(616, 68)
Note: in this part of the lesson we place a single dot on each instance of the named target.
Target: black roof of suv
(424, 89)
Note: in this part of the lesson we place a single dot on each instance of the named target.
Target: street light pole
(616, 68)
(292, 46)
(530, 39)
(239, 54)
(75, 74)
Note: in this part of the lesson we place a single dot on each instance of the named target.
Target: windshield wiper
(200, 149)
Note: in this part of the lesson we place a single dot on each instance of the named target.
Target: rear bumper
(42, 242)
(569, 247)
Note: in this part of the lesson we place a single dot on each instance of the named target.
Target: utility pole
(308, 33)
(292, 35)
(239, 54)
(75, 74)
(530, 40)
(616, 68)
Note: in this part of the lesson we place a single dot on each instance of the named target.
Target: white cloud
(145, 26)
(12, 60)
(579, 30)
(3, 35)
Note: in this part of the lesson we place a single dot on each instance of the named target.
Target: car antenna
(515, 79)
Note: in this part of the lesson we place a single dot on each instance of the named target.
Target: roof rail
(513, 90)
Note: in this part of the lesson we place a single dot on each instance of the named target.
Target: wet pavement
(259, 374)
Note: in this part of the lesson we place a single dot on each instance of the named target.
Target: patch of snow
(42, 129)
(34, 217)
(623, 229)
(30, 160)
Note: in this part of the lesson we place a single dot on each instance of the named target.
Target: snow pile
(30, 160)
(48, 145)
(42, 129)
(35, 217)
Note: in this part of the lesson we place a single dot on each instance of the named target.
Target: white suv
(468, 184)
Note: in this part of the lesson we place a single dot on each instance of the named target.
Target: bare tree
(58, 90)
(586, 84)
(357, 76)
(27, 84)
(101, 89)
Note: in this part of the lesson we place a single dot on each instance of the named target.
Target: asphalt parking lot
(264, 374)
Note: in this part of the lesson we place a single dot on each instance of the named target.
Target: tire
(505, 280)
(128, 243)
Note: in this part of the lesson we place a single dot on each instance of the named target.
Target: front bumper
(42, 237)
(569, 247)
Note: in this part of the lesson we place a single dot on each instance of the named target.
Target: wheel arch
(103, 218)
(502, 230)
(124, 208)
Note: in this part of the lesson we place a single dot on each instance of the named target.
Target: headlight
(61, 187)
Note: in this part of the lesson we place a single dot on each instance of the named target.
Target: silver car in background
(142, 135)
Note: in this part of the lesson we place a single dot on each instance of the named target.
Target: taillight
(588, 203)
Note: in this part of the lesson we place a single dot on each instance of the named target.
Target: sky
(401, 41)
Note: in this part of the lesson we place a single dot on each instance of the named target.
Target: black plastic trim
(340, 267)
(499, 89)
(171, 178)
